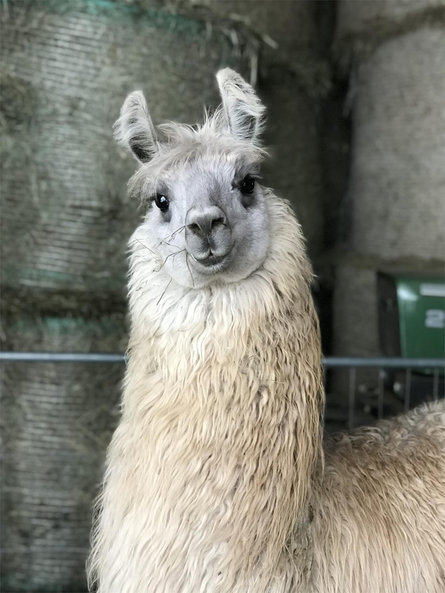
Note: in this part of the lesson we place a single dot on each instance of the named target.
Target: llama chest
(166, 502)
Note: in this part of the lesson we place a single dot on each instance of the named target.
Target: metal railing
(392, 381)
(60, 357)
(341, 373)
(328, 361)
(429, 367)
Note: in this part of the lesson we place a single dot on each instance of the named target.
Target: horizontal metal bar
(59, 357)
(388, 363)
(328, 361)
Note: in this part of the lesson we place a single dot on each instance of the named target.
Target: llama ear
(243, 109)
(134, 129)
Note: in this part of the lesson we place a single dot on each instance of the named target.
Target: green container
(412, 315)
(421, 306)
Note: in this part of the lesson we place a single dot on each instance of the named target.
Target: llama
(217, 478)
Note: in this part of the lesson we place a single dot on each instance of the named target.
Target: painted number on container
(435, 318)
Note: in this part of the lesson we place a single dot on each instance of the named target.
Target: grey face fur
(207, 218)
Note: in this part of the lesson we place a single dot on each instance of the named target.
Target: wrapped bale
(398, 151)
(369, 17)
(293, 138)
(396, 213)
(355, 329)
(355, 310)
(57, 420)
(67, 68)
(66, 220)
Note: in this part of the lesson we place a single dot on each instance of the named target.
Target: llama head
(207, 213)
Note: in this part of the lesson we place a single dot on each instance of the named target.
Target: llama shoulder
(420, 428)
(381, 496)
(396, 458)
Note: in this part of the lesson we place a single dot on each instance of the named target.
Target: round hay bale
(397, 181)
(66, 219)
(287, 26)
(355, 309)
(368, 17)
(292, 135)
(355, 328)
(57, 419)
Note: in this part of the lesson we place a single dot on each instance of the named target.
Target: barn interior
(355, 94)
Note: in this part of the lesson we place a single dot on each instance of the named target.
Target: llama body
(379, 514)
(216, 479)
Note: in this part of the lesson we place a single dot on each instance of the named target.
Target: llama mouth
(212, 264)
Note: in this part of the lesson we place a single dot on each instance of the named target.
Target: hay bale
(66, 219)
(57, 421)
(290, 34)
(362, 17)
(355, 327)
(397, 179)
(395, 213)
(292, 136)
(355, 308)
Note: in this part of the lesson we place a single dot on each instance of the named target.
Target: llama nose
(203, 223)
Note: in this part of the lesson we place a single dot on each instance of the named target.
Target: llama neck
(232, 374)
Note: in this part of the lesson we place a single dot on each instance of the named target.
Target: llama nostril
(203, 223)
(206, 225)
(218, 222)
(194, 228)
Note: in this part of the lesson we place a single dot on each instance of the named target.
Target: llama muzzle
(208, 235)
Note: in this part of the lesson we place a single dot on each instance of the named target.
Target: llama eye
(162, 202)
(247, 185)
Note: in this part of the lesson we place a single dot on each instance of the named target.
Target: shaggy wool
(217, 480)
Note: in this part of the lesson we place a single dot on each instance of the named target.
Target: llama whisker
(190, 272)
(172, 235)
(143, 245)
(164, 291)
(165, 242)
(171, 255)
